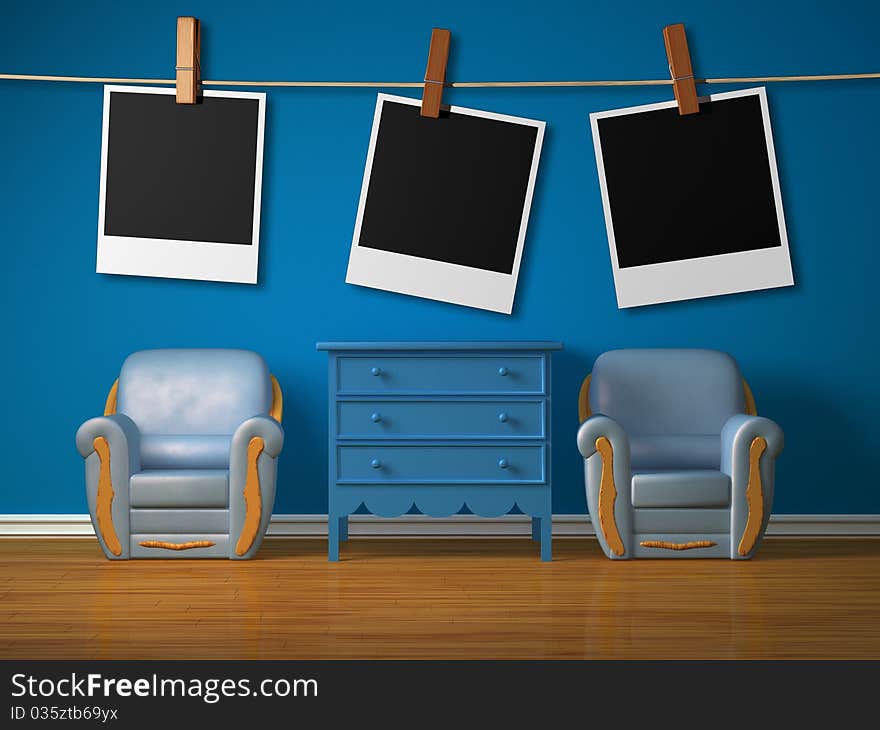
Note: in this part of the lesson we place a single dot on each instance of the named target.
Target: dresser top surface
(450, 346)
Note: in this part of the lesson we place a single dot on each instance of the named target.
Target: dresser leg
(536, 528)
(333, 539)
(546, 538)
(343, 528)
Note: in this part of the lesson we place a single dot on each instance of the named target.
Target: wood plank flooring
(440, 599)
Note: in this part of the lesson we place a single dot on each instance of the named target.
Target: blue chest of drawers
(439, 426)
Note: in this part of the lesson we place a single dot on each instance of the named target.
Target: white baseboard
(315, 526)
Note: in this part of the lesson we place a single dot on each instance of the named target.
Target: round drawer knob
(503, 417)
(376, 464)
(375, 417)
(503, 463)
(376, 371)
(502, 371)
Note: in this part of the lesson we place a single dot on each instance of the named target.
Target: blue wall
(810, 352)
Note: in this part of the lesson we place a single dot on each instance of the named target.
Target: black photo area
(450, 189)
(684, 187)
(181, 172)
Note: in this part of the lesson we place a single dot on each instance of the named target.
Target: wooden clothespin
(435, 73)
(188, 79)
(680, 69)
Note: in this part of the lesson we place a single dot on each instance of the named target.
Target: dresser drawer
(378, 419)
(440, 464)
(436, 374)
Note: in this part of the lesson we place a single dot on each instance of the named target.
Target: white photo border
(439, 280)
(707, 276)
(172, 259)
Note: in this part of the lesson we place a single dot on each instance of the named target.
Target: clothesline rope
(452, 84)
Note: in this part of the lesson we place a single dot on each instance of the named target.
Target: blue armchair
(677, 462)
(183, 462)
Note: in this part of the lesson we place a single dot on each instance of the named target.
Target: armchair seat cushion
(180, 488)
(162, 451)
(689, 488)
(650, 453)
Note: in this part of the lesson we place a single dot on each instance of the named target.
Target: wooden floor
(440, 599)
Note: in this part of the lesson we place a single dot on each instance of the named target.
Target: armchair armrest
(255, 447)
(121, 433)
(749, 447)
(111, 447)
(608, 479)
(597, 426)
(262, 427)
(738, 434)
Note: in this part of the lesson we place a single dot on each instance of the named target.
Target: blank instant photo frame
(181, 184)
(444, 204)
(692, 203)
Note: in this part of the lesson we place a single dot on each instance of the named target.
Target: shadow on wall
(822, 434)
(570, 367)
(302, 466)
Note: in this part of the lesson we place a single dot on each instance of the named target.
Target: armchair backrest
(667, 392)
(193, 391)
